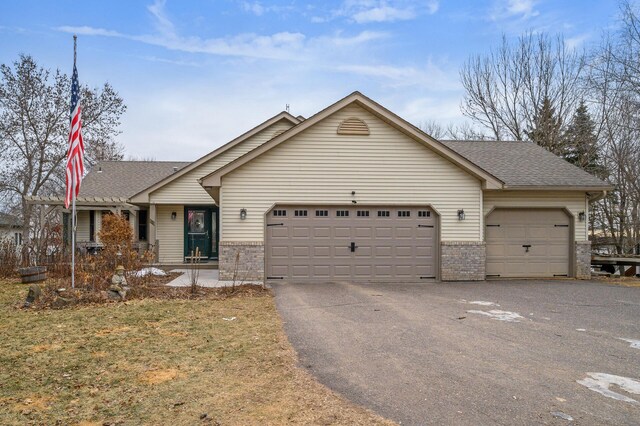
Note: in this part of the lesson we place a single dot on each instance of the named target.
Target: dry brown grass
(158, 362)
(623, 281)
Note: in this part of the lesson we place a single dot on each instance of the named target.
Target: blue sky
(194, 74)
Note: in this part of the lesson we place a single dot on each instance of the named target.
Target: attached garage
(354, 243)
(311, 204)
(528, 243)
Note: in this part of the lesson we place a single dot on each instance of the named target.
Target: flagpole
(73, 197)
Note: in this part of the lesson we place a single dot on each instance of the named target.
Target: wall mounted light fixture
(461, 214)
(174, 215)
(581, 216)
(243, 214)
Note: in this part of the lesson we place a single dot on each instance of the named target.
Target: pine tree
(546, 130)
(582, 142)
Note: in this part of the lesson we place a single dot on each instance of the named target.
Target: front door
(199, 232)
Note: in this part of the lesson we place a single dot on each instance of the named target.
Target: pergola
(116, 205)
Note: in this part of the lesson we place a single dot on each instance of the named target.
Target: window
(363, 213)
(142, 225)
(279, 213)
(404, 213)
(322, 213)
(342, 213)
(424, 213)
(92, 225)
(383, 213)
(300, 213)
(17, 238)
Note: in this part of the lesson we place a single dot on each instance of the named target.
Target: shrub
(9, 259)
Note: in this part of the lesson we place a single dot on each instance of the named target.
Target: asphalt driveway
(434, 353)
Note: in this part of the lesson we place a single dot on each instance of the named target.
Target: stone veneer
(463, 261)
(583, 260)
(241, 260)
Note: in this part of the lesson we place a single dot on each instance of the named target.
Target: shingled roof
(524, 164)
(123, 179)
(9, 220)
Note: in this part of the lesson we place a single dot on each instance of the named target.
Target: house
(355, 193)
(10, 229)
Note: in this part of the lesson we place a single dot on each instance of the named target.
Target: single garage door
(528, 243)
(351, 243)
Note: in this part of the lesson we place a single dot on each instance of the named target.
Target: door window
(196, 222)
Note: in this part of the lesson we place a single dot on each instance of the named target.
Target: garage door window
(404, 213)
(342, 213)
(424, 213)
(363, 213)
(300, 213)
(279, 213)
(322, 213)
(383, 213)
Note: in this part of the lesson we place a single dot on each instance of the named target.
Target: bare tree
(464, 131)
(613, 85)
(505, 89)
(34, 126)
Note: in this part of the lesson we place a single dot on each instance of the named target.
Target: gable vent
(353, 126)
(278, 133)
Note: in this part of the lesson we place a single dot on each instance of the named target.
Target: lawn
(209, 361)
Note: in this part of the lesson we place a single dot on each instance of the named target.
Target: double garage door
(351, 243)
(528, 243)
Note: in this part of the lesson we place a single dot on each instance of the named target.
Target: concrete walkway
(206, 278)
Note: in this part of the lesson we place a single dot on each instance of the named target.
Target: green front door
(200, 231)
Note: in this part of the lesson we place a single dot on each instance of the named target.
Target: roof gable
(143, 195)
(489, 181)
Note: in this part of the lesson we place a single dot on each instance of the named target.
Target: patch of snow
(482, 303)
(600, 382)
(229, 319)
(580, 329)
(635, 344)
(150, 271)
(499, 315)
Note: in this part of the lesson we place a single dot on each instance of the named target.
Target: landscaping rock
(33, 295)
(61, 302)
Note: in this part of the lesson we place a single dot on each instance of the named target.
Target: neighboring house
(10, 229)
(355, 193)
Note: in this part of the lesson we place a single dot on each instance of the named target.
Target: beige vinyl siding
(170, 233)
(82, 225)
(186, 188)
(575, 202)
(320, 167)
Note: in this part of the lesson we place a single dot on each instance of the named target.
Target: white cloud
(430, 76)
(282, 45)
(368, 11)
(383, 14)
(90, 31)
(521, 9)
(576, 41)
(253, 7)
(162, 22)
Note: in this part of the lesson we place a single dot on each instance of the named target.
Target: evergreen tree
(546, 130)
(582, 142)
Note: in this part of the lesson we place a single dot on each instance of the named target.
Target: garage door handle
(353, 247)
(526, 246)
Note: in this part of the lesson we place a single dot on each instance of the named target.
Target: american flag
(75, 155)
